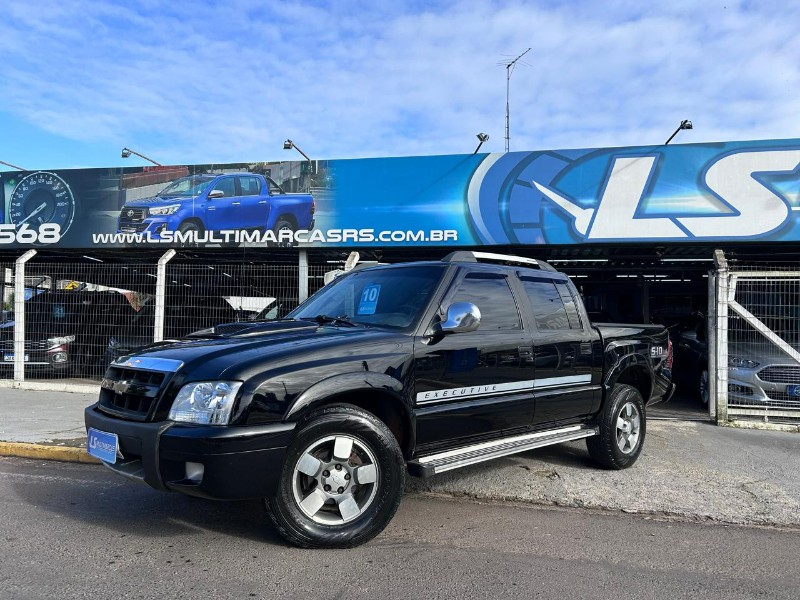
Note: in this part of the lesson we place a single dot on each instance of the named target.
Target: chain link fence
(755, 340)
(80, 316)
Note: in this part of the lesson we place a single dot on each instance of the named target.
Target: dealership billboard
(729, 191)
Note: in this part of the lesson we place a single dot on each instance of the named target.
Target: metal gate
(754, 342)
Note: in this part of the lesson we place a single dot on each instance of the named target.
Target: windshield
(394, 297)
(187, 186)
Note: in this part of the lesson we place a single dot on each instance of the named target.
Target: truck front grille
(130, 393)
(133, 215)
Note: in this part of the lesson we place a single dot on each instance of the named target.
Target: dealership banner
(728, 191)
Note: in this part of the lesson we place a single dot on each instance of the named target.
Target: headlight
(59, 341)
(206, 402)
(164, 210)
(734, 362)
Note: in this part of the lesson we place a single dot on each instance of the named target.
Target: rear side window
(548, 306)
(569, 304)
(493, 298)
(250, 186)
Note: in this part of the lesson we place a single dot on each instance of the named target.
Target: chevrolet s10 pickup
(414, 368)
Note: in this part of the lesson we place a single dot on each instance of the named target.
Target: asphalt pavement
(79, 531)
(688, 469)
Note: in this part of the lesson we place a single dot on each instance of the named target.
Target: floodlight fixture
(289, 144)
(685, 124)
(482, 137)
(126, 152)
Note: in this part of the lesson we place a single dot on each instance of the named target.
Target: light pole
(685, 124)
(482, 137)
(288, 145)
(2, 162)
(126, 152)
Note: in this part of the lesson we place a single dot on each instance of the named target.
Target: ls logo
(747, 207)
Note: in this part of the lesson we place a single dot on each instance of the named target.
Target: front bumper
(747, 388)
(150, 227)
(58, 358)
(238, 462)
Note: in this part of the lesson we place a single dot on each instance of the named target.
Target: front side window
(227, 185)
(491, 294)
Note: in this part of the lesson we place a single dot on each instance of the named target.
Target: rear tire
(342, 480)
(622, 426)
(283, 225)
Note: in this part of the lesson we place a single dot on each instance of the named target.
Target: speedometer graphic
(42, 198)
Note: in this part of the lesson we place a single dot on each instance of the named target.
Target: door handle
(236, 203)
(586, 348)
(525, 352)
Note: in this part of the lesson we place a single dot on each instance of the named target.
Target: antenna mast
(509, 65)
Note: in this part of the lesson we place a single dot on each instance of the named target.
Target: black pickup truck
(421, 367)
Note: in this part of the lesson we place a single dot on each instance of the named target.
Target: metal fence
(79, 316)
(754, 335)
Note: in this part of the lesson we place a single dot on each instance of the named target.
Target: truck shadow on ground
(100, 498)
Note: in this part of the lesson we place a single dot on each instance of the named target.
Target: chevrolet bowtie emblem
(120, 387)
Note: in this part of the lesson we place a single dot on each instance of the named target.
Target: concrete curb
(44, 452)
(761, 426)
(46, 386)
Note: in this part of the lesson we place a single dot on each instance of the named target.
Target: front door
(223, 213)
(477, 384)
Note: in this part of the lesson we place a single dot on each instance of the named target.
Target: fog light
(60, 357)
(194, 472)
(742, 390)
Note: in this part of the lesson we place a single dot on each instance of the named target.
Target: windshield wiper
(343, 320)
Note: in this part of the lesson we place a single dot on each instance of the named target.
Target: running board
(433, 464)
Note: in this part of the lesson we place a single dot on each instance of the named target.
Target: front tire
(342, 480)
(186, 227)
(622, 426)
(702, 385)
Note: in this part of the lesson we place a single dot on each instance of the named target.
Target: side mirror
(462, 317)
(216, 194)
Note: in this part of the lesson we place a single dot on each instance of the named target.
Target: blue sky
(198, 82)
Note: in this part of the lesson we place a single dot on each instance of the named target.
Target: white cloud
(230, 81)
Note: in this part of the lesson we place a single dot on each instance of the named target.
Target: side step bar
(433, 464)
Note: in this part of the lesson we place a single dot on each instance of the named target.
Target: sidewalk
(688, 469)
(44, 424)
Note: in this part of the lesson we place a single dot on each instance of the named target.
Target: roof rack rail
(470, 256)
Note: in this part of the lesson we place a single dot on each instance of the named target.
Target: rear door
(477, 384)
(253, 207)
(563, 349)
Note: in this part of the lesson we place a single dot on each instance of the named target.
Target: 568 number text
(46, 233)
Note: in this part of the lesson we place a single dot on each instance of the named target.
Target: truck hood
(157, 201)
(238, 351)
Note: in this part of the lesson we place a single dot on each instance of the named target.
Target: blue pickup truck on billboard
(205, 203)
